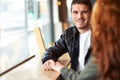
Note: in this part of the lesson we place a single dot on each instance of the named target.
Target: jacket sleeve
(57, 50)
(90, 72)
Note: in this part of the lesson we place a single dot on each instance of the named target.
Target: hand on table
(57, 66)
(48, 63)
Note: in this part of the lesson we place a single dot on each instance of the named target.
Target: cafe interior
(27, 29)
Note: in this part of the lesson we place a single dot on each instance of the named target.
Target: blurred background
(17, 21)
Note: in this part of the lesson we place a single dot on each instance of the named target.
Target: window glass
(38, 15)
(13, 36)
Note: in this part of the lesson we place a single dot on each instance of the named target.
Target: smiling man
(81, 16)
(75, 40)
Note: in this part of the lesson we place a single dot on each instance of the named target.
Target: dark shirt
(68, 42)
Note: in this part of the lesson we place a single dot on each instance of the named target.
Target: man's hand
(48, 63)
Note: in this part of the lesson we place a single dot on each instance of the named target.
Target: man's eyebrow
(85, 10)
(74, 11)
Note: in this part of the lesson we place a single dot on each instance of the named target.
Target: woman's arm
(88, 73)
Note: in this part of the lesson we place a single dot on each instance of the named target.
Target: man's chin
(80, 27)
(80, 24)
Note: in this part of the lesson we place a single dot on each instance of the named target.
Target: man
(75, 40)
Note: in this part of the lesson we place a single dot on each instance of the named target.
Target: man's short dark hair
(85, 2)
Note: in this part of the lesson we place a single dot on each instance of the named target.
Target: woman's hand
(57, 66)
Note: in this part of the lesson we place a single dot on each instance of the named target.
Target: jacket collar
(76, 32)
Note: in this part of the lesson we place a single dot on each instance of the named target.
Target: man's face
(80, 15)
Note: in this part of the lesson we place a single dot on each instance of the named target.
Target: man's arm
(54, 52)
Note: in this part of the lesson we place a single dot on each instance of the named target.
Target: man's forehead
(79, 6)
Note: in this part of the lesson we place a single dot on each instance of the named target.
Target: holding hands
(52, 65)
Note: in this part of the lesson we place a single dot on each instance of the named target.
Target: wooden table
(33, 70)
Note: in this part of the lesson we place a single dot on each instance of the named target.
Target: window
(13, 35)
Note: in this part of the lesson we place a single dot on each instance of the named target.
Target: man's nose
(80, 15)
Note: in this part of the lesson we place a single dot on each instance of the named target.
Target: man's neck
(83, 30)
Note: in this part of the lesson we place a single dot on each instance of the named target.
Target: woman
(106, 38)
(105, 23)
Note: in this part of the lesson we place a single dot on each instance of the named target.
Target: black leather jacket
(68, 42)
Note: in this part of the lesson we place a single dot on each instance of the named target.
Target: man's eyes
(82, 12)
(85, 11)
(75, 12)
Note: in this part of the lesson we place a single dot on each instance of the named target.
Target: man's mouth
(80, 21)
